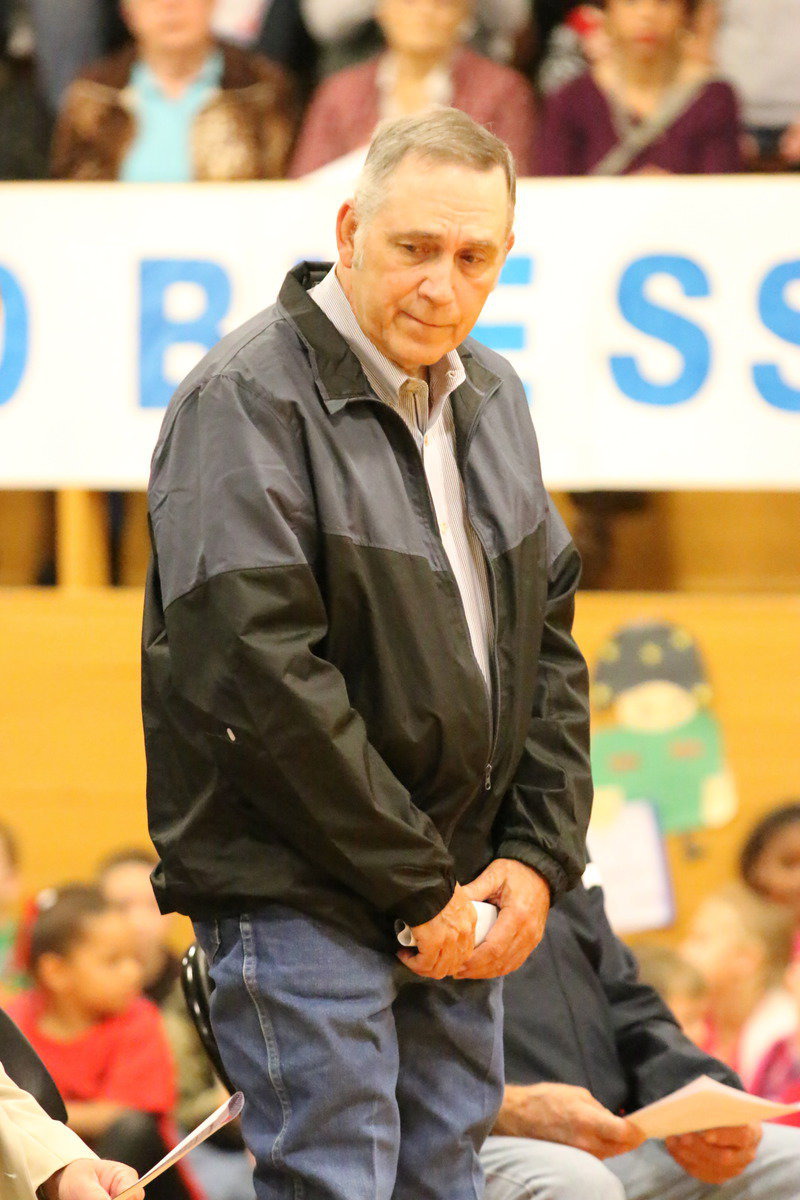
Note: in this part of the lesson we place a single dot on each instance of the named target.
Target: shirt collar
(208, 77)
(385, 377)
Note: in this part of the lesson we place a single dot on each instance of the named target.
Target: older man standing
(362, 700)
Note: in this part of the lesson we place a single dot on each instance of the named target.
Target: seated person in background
(769, 861)
(175, 106)
(345, 30)
(25, 123)
(586, 1041)
(680, 986)
(9, 909)
(425, 65)
(220, 1164)
(741, 945)
(43, 1160)
(756, 45)
(102, 1042)
(568, 38)
(645, 107)
(124, 880)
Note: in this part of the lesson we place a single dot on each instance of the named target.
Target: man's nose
(437, 285)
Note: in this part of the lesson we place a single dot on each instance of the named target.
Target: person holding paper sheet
(587, 1044)
(362, 699)
(40, 1157)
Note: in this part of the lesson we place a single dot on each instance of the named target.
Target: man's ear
(346, 225)
(510, 243)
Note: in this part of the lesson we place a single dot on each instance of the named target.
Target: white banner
(655, 322)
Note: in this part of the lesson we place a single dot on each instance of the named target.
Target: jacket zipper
(487, 772)
(494, 691)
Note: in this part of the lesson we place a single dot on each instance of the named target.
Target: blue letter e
(158, 331)
(784, 322)
(687, 338)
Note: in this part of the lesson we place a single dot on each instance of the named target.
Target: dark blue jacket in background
(576, 1013)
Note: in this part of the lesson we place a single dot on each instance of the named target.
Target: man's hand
(558, 1112)
(523, 897)
(716, 1155)
(91, 1179)
(446, 941)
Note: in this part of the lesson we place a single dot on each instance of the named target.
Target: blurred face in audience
(100, 974)
(646, 29)
(776, 871)
(718, 948)
(418, 272)
(426, 28)
(169, 26)
(690, 1013)
(127, 886)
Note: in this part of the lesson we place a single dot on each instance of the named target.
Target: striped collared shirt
(427, 411)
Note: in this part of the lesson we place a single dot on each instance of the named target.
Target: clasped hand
(446, 944)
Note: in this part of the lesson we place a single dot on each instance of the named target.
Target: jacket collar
(337, 371)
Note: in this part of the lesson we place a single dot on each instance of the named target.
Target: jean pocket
(208, 937)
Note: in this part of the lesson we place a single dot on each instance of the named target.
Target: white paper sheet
(485, 914)
(221, 1116)
(705, 1104)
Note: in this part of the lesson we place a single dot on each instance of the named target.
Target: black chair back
(23, 1065)
(197, 988)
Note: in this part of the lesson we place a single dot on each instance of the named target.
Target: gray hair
(440, 135)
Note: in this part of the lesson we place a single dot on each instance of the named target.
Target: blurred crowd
(89, 972)
(179, 90)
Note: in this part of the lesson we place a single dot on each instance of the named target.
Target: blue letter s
(784, 322)
(688, 339)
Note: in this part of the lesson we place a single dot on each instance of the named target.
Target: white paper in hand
(705, 1104)
(485, 914)
(221, 1116)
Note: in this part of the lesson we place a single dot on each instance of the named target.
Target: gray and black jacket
(318, 731)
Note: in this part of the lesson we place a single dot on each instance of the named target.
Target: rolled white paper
(221, 1116)
(485, 914)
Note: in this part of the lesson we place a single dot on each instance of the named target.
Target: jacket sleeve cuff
(525, 852)
(426, 904)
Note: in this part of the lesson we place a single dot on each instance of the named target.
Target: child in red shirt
(102, 1042)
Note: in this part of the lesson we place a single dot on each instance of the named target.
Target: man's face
(426, 260)
(169, 25)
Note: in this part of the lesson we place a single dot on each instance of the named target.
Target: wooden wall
(682, 541)
(71, 758)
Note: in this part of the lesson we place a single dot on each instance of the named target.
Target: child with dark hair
(102, 1042)
(769, 860)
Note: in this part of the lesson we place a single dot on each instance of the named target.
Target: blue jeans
(361, 1080)
(525, 1169)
